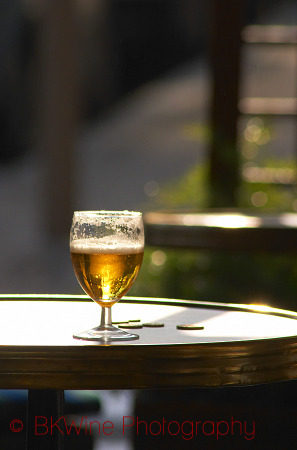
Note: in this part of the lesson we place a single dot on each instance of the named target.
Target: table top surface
(239, 344)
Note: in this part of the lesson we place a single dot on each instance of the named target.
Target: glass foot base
(105, 334)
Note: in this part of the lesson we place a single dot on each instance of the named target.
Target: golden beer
(106, 274)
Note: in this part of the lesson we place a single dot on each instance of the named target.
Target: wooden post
(225, 40)
(59, 105)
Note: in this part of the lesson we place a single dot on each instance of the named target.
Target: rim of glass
(109, 213)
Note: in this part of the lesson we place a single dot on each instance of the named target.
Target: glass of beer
(106, 252)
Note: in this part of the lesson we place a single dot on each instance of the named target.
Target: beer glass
(106, 252)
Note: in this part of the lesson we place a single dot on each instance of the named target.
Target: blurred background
(113, 104)
(109, 104)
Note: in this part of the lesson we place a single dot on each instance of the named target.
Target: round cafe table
(235, 345)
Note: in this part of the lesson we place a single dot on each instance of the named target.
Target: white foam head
(105, 245)
(107, 232)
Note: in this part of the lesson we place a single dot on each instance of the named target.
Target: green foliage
(219, 276)
(228, 277)
(188, 192)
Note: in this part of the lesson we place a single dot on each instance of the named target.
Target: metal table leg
(45, 420)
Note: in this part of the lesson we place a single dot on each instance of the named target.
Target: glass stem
(106, 317)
